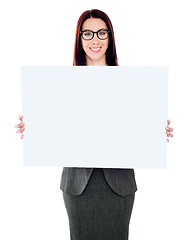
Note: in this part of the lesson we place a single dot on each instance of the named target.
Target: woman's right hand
(20, 126)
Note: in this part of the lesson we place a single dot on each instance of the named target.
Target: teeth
(95, 49)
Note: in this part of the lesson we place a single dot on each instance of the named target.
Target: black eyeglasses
(101, 34)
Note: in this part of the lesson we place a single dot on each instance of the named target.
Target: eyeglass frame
(94, 33)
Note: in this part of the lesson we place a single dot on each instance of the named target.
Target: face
(95, 48)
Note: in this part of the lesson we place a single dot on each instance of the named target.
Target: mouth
(95, 50)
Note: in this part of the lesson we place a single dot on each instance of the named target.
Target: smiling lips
(95, 50)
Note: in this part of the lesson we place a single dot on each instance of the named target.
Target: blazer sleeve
(74, 180)
(121, 181)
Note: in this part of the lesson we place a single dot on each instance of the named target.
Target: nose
(95, 38)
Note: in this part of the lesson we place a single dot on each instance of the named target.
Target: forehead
(93, 24)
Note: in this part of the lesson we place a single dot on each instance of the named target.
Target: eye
(102, 32)
(87, 33)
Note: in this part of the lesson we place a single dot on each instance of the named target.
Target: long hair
(79, 58)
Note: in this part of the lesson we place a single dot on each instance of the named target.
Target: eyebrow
(93, 31)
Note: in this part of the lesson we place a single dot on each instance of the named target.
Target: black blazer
(74, 180)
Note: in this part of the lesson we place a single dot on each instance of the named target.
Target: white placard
(87, 116)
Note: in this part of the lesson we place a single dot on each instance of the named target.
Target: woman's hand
(168, 130)
(20, 126)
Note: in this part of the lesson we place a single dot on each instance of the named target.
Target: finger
(21, 117)
(171, 129)
(167, 140)
(20, 125)
(20, 130)
(169, 134)
(168, 121)
(22, 136)
(168, 131)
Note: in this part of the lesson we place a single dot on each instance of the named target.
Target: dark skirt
(98, 213)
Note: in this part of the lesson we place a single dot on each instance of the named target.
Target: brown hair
(79, 54)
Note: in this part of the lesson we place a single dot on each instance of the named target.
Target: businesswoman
(99, 201)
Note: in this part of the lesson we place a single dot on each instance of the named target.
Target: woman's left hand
(168, 130)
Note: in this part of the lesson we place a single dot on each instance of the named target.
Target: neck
(98, 62)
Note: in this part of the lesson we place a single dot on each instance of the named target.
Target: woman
(98, 201)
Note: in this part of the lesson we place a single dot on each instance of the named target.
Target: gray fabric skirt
(98, 213)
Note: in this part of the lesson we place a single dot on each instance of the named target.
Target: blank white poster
(87, 116)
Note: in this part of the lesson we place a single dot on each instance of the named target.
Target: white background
(148, 33)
